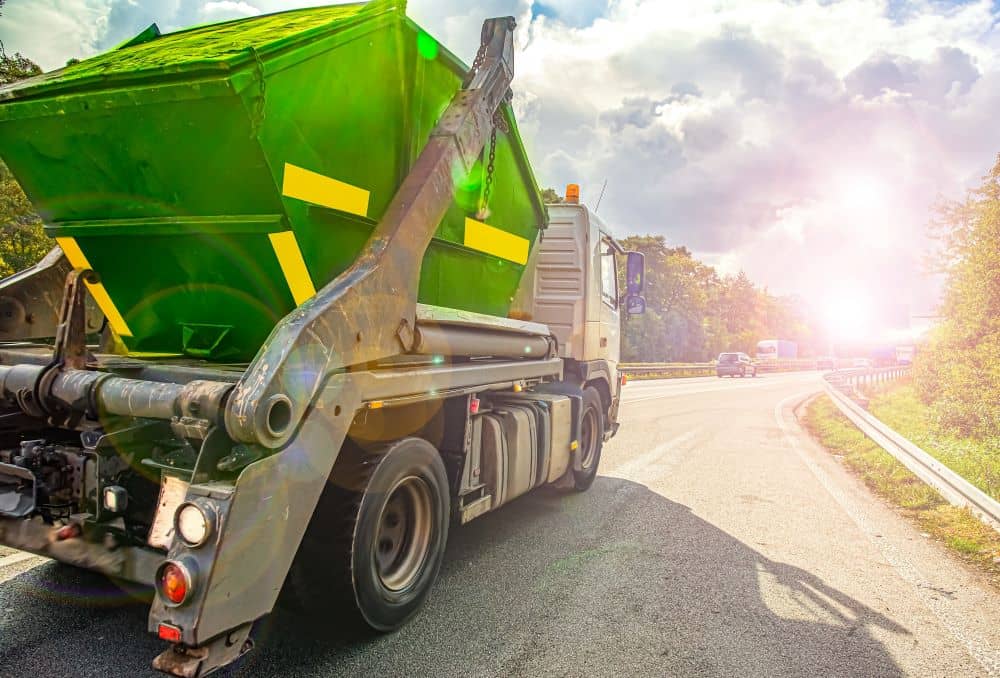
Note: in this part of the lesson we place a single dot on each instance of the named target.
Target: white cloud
(53, 31)
(227, 9)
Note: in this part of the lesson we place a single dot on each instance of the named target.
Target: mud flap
(17, 491)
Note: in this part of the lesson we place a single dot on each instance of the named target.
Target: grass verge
(957, 528)
(978, 461)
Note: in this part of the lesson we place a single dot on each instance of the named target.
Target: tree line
(694, 313)
(22, 241)
(958, 371)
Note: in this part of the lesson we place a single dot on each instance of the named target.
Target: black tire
(591, 439)
(743, 372)
(376, 543)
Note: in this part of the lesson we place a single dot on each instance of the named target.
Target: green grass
(672, 374)
(957, 528)
(978, 461)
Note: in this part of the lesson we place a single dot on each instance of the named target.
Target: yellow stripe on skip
(77, 259)
(286, 248)
(319, 189)
(486, 238)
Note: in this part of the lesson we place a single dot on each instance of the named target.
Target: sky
(803, 141)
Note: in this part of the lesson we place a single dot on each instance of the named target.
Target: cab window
(609, 274)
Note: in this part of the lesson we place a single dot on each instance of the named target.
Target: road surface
(718, 541)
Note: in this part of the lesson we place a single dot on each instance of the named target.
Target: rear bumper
(131, 563)
(723, 371)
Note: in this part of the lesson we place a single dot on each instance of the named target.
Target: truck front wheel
(591, 439)
(393, 511)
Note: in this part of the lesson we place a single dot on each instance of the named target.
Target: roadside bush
(958, 374)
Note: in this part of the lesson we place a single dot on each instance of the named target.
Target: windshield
(729, 357)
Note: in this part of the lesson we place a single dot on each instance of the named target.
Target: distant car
(863, 363)
(735, 364)
(826, 363)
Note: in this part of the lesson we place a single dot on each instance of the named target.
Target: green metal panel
(161, 157)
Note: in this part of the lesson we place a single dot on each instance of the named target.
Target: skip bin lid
(212, 48)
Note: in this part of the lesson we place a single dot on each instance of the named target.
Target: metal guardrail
(709, 368)
(842, 387)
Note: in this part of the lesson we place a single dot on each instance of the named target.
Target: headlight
(194, 523)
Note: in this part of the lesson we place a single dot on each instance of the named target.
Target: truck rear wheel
(391, 511)
(591, 439)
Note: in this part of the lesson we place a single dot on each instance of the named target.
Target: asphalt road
(718, 541)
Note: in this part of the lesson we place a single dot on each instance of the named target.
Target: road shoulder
(962, 600)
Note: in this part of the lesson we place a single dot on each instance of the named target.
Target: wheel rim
(404, 533)
(588, 435)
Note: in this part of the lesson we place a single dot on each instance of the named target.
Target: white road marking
(29, 561)
(15, 559)
(981, 650)
(642, 467)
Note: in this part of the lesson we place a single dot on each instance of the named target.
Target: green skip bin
(216, 177)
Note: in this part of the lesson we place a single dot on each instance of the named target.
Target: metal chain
(477, 63)
(498, 123)
(488, 180)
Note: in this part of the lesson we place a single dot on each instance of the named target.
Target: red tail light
(174, 582)
(169, 633)
(71, 531)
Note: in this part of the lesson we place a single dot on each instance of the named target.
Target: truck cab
(572, 285)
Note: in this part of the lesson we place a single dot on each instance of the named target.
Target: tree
(17, 67)
(959, 371)
(550, 196)
(22, 240)
(693, 314)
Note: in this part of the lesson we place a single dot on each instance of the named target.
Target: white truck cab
(571, 284)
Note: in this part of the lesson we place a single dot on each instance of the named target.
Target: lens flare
(848, 314)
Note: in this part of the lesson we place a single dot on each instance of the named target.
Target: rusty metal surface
(127, 562)
(169, 370)
(70, 349)
(99, 393)
(30, 301)
(262, 523)
(368, 313)
(445, 340)
(194, 662)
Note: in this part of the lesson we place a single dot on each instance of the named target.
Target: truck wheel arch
(600, 384)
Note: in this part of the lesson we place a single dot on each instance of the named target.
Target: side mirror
(635, 304)
(635, 274)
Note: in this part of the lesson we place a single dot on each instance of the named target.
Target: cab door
(610, 325)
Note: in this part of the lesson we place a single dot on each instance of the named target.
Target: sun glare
(848, 314)
(863, 193)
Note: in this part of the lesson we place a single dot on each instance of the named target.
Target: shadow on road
(618, 581)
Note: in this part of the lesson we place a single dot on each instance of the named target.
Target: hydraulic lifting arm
(368, 312)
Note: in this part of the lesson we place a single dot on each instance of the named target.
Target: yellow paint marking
(318, 189)
(286, 248)
(485, 238)
(77, 259)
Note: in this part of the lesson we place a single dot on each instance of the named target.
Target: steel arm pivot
(30, 301)
(368, 312)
